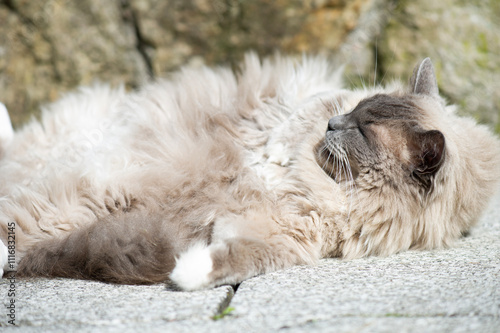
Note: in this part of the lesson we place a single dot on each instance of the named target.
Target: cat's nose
(336, 123)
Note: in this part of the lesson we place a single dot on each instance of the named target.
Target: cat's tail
(126, 248)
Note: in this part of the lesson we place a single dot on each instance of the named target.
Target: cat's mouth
(334, 161)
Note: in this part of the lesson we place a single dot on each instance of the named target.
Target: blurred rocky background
(48, 47)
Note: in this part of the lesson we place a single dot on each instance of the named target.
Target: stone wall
(49, 47)
(462, 37)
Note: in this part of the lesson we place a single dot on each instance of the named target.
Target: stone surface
(64, 304)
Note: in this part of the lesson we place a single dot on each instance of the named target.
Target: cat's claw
(6, 131)
(193, 268)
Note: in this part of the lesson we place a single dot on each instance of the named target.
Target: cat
(212, 176)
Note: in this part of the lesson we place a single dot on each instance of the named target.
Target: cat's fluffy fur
(212, 177)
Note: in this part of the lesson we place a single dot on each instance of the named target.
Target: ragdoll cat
(213, 177)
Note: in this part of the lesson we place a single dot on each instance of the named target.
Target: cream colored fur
(243, 146)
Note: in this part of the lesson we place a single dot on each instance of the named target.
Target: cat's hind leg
(235, 260)
(127, 248)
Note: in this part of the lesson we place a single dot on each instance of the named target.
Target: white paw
(192, 268)
(6, 131)
(277, 154)
(3, 258)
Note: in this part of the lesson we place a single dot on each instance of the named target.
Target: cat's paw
(6, 131)
(3, 257)
(192, 269)
(277, 154)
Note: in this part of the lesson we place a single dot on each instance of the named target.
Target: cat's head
(417, 175)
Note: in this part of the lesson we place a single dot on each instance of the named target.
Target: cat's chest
(272, 175)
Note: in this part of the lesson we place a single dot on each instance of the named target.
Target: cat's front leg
(235, 260)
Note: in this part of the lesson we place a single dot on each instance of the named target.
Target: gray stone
(65, 304)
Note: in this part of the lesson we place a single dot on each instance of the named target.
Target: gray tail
(127, 248)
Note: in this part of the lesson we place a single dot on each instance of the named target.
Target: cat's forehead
(386, 107)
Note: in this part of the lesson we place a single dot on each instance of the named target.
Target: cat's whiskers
(322, 151)
(334, 162)
(338, 169)
(342, 172)
(351, 189)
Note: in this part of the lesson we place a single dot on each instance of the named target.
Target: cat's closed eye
(363, 130)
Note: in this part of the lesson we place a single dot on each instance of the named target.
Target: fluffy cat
(212, 177)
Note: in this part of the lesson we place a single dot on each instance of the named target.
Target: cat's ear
(423, 80)
(427, 151)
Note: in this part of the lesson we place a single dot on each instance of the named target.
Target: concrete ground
(453, 290)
